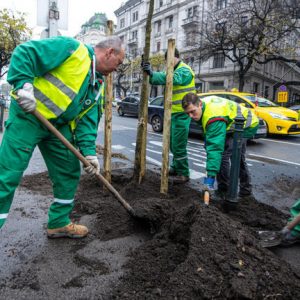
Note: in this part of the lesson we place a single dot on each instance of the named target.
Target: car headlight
(279, 116)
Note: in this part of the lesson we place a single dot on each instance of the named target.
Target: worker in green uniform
(216, 115)
(290, 237)
(183, 83)
(62, 79)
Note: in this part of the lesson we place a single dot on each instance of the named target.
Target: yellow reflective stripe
(60, 85)
(184, 90)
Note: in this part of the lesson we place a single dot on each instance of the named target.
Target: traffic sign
(282, 88)
(282, 97)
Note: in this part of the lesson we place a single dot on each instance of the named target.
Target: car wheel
(157, 124)
(120, 111)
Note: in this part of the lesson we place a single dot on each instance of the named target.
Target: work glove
(94, 168)
(209, 182)
(26, 98)
(146, 66)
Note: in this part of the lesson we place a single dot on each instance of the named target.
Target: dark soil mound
(191, 251)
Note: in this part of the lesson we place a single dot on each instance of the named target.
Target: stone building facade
(181, 20)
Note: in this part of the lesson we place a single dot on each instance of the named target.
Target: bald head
(109, 54)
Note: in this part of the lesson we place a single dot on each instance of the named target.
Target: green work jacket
(216, 129)
(183, 83)
(35, 59)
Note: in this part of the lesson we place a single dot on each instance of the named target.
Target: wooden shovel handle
(85, 162)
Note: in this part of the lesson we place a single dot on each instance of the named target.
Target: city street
(268, 158)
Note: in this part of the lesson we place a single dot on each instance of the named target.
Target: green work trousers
(295, 211)
(23, 133)
(180, 124)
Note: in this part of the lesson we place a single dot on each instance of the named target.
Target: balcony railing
(133, 40)
(193, 20)
(170, 30)
(157, 34)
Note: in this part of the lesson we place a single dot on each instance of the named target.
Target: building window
(160, 3)
(266, 91)
(219, 60)
(255, 87)
(158, 26)
(221, 4)
(122, 23)
(244, 20)
(135, 16)
(122, 38)
(134, 35)
(221, 27)
(190, 39)
(170, 22)
(157, 46)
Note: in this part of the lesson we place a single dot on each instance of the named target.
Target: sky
(79, 12)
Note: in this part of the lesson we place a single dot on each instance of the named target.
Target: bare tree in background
(247, 32)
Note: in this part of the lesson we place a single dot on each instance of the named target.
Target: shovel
(270, 239)
(85, 162)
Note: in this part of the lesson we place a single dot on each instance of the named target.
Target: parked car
(156, 119)
(128, 106)
(279, 120)
(296, 108)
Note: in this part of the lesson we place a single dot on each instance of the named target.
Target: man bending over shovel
(62, 79)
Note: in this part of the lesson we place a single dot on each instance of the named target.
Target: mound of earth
(185, 250)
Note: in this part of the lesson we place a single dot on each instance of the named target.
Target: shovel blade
(270, 239)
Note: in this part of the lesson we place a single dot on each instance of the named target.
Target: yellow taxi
(279, 120)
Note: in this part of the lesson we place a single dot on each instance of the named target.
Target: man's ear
(110, 51)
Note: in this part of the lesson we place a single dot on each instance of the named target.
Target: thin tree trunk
(241, 81)
(108, 117)
(167, 118)
(141, 138)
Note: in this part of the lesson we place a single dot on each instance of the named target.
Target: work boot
(246, 196)
(72, 230)
(179, 179)
(172, 172)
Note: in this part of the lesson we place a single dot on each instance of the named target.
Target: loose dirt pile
(188, 251)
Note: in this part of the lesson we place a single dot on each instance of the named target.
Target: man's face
(194, 111)
(109, 60)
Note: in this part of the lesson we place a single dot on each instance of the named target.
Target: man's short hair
(112, 41)
(190, 98)
(176, 54)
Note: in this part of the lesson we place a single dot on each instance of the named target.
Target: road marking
(275, 159)
(280, 142)
(118, 147)
(156, 143)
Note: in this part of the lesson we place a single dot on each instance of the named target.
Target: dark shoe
(248, 196)
(172, 172)
(220, 194)
(180, 179)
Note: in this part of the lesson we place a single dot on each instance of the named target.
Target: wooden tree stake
(108, 117)
(167, 117)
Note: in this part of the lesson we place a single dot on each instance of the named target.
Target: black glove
(146, 66)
